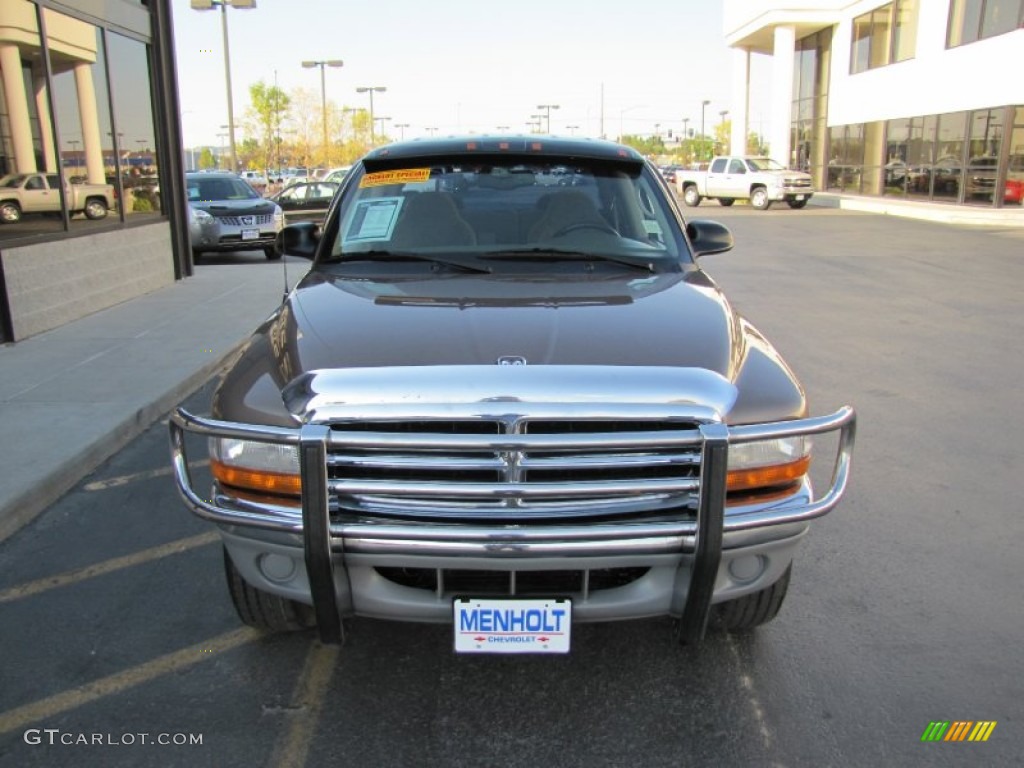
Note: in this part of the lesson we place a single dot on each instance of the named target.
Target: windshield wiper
(546, 254)
(466, 265)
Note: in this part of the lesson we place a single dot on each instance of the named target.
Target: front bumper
(791, 193)
(717, 554)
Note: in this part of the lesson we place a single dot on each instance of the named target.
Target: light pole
(402, 127)
(572, 129)
(721, 122)
(382, 119)
(323, 96)
(220, 154)
(547, 113)
(370, 89)
(208, 5)
(536, 122)
(703, 104)
(431, 129)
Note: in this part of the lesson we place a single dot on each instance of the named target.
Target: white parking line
(107, 566)
(50, 707)
(114, 482)
(308, 700)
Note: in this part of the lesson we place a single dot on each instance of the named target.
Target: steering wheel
(586, 225)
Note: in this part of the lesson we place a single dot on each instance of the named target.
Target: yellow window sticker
(406, 176)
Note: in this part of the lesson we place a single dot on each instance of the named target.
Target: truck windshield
(510, 205)
(764, 164)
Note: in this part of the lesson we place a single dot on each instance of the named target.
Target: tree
(269, 105)
(206, 159)
(645, 145)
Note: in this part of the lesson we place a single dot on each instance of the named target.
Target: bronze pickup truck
(22, 193)
(507, 397)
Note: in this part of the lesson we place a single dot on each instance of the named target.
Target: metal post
(227, 73)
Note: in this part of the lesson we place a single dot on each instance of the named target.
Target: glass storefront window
(897, 138)
(1014, 194)
(27, 158)
(133, 114)
(921, 155)
(948, 168)
(904, 40)
(983, 156)
(82, 105)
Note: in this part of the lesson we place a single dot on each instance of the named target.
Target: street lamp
(703, 104)
(536, 122)
(402, 127)
(382, 119)
(323, 96)
(208, 5)
(547, 111)
(370, 89)
(721, 122)
(572, 129)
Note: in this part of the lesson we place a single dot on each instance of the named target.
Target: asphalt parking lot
(905, 607)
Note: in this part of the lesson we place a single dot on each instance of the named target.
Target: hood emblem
(511, 360)
(247, 219)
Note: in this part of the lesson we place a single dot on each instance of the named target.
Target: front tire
(691, 196)
(10, 213)
(796, 204)
(271, 253)
(759, 198)
(263, 610)
(744, 613)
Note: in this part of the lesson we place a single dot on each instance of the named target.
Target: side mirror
(707, 237)
(299, 239)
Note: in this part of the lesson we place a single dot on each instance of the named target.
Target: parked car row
(228, 213)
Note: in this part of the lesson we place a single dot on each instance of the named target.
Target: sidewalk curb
(18, 512)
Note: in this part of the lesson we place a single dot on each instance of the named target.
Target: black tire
(263, 610)
(745, 613)
(95, 208)
(796, 204)
(197, 256)
(691, 196)
(10, 213)
(726, 201)
(759, 198)
(271, 253)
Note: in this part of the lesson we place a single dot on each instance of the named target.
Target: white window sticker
(374, 219)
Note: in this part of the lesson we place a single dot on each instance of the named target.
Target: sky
(462, 67)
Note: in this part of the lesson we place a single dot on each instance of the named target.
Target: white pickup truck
(22, 193)
(758, 179)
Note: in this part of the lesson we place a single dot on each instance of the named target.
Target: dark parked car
(509, 406)
(305, 201)
(245, 221)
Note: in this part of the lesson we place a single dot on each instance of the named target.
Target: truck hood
(678, 320)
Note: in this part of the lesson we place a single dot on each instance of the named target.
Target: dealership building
(917, 100)
(88, 101)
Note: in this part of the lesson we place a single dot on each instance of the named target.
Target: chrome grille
(511, 469)
(246, 221)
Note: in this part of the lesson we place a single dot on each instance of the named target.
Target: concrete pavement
(72, 397)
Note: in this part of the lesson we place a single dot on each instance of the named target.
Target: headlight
(768, 463)
(199, 215)
(256, 466)
(278, 217)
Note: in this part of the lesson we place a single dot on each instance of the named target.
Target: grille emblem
(511, 360)
(247, 219)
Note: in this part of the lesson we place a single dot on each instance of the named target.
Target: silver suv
(244, 220)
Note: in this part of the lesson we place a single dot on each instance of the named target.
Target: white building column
(783, 59)
(91, 140)
(17, 108)
(740, 101)
(45, 125)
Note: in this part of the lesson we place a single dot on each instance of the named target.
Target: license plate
(250, 234)
(512, 626)
(799, 197)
